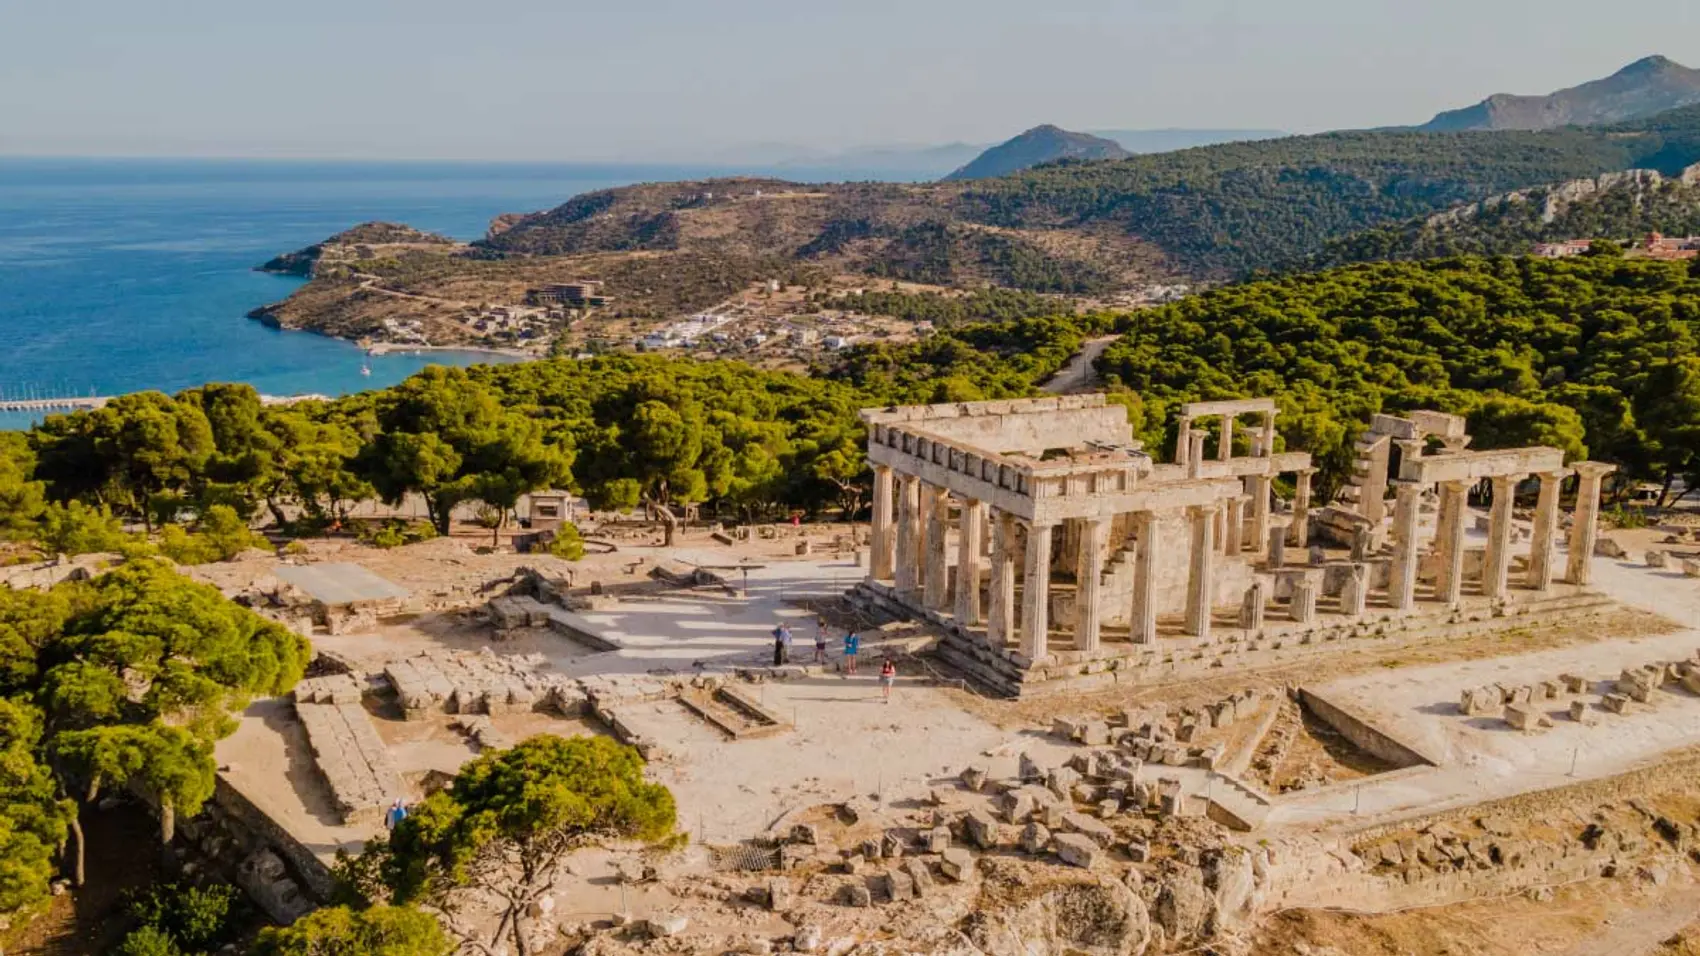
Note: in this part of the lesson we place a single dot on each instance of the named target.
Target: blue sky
(668, 80)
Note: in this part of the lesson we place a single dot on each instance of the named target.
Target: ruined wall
(1361, 733)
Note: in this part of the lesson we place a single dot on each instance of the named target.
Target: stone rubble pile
(458, 682)
(355, 764)
(1523, 706)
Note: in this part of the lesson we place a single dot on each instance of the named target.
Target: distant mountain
(1642, 88)
(1041, 144)
(1142, 141)
(888, 162)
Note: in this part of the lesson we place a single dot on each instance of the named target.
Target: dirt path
(1642, 932)
(1079, 375)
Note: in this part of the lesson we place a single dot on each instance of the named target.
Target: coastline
(395, 348)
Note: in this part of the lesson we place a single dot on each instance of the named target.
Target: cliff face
(1041, 144)
(1642, 88)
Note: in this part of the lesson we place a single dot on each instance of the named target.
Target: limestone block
(1018, 806)
(855, 894)
(1095, 830)
(1186, 731)
(1139, 851)
(1550, 689)
(1615, 703)
(805, 833)
(872, 850)
(957, 863)
(1691, 567)
(891, 846)
(1095, 733)
(1521, 694)
(1582, 713)
(1062, 780)
(1066, 727)
(1526, 717)
(1251, 608)
(1035, 837)
(1573, 683)
(974, 777)
(981, 830)
(919, 874)
(779, 895)
(938, 839)
(1077, 850)
(1608, 547)
(897, 885)
(1691, 681)
(1658, 559)
(1029, 769)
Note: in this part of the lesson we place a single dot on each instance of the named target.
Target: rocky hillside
(365, 242)
(1640, 89)
(1039, 145)
(1616, 205)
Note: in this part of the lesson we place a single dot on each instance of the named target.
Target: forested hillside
(1598, 356)
(1615, 206)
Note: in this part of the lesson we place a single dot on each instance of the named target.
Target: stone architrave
(1143, 618)
(1584, 521)
(1354, 593)
(936, 588)
(1298, 532)
(1088, 603)
(968, 550)
(1454, 503)
(1036, 593)
(1251, 608)
(1201, 582)
(880, 536)
(1402, 589)
(908, 558)
(1000, 611)
(1303, 606)
(1544, 531)
(1496, 564)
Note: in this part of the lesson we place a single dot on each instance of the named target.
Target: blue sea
(123, 275)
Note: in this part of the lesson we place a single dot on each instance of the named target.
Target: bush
(148, 941)
(76, 528)
(179, 544)
(227, 533)
(379, 931)
(395, 532)
(176, 918)
(568, 544)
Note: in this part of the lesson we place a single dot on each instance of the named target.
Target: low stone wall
(352, 758)
(1357, 728)
(232, 811)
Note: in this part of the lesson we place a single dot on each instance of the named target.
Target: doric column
(1088, 597)
(1000, 602)
(880, 536)
(1373, 504)
(1402, 589)
(1183, 441)
(1354, 594)
(968, 562)
(1298, 532)
(1454, 504)
(907, 561)
(1233, 538)
(1266, 440)
(1143, 620)
(1251, 608)
(1585, 520)
(1277, 547)
(1195, 454)
(1036, 593)
(1302, 607)
(1260, 485)
(1225, 449)
(1496, 566)
(938, 558)
(1546, 528)
(1201, 581)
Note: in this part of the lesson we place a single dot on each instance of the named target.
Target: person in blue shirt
(852, 646)
(394, 816)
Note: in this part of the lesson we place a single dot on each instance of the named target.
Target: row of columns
(910, 548)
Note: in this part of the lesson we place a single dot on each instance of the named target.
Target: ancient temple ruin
(1052, 545)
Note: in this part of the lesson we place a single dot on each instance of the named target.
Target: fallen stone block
(1095, 733)
(1615, 703)
(981, 829)
(897, 886)
(919, 874)
(779, 895)
(1035, 837)
(1658, 559)
(855, 894)
(974, 777)
(1550, 689)
(1582, 713)
(938, 839)
(957, 863)
(1094, 829)
(1076, 850)
(1526, 717)
(1066, 727)
(1574, 683)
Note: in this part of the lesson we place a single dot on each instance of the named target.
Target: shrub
(395, 532)
(184, 918)
(379, 931)
(77, 528)
(148, 941)
(568, 543)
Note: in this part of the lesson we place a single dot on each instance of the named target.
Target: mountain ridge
(1035, 147)
(1650, 85)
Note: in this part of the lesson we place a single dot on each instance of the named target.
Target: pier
(69, 404)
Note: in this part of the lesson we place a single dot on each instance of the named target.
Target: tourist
(852, 646)
(888, 677)
(820, 640)
(396, 814)
(781, 644)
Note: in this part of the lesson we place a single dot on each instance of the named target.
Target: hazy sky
(678, 80)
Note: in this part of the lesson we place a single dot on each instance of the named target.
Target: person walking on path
(393, 817)
(820, 641)
(852, 646)
(888, 677)
(781, 644)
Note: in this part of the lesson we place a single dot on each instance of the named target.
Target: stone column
(1496, 566)
(1277, 547)
(968, 562)
(1195, 454)
(1354, 595)
(1233, 540)
(880, 536)
(938, 558)
(1585, 520)
(1402, 589)
(1089, 570)
(1201, 582)
(907, 569)
(1454, 506)
(1183, 441)
(1036, 593)
(1298, 532)
(1143, 620)
(1251, 608)
(1303, 605)
(1373, 504)
(1260, 488)
(1000, 612)
(1546, 528)
(1266, 441)
(1225, 448)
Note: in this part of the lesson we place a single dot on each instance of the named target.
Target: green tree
(33, 816)
(75, 528)
(510, 818)
(21, 498)
(341, 931)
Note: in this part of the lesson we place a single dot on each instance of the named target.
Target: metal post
(1575, 752)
